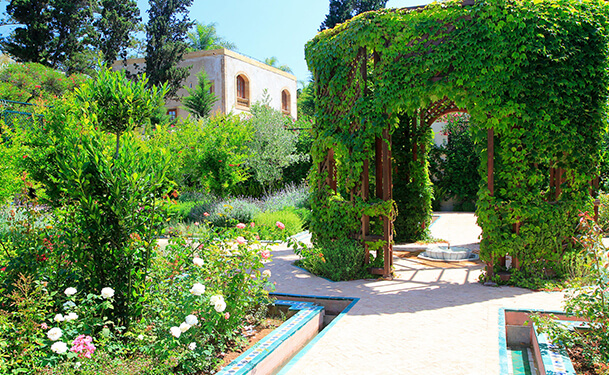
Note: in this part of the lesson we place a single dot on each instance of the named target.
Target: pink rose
(226, 316)
(205, 214)
(241, 226)
(252, 224)
(280, 225)
(240, 240)
(265, 254)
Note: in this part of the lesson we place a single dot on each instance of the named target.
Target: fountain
(446, 253)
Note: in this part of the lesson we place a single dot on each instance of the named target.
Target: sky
(263, 28)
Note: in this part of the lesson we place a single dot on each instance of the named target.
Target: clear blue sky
(264, 28)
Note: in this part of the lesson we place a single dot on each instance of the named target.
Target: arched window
(285, 101)
(243, 91)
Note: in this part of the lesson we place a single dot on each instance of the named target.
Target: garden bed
(524, 350)
(308, 316)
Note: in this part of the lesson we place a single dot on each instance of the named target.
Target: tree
(306, 99)
(72, 48)
(116, 26)
(273, 146)
(204, 37)
(31, 40)
(55, 33)
(166, 43)
(342, 10)
(272, 61)
(200, 100)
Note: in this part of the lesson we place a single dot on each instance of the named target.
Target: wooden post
(332, 170)
(490, 180)
(386, 191)
(365, 218)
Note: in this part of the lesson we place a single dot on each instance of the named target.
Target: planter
(523, 350)
(308, 316)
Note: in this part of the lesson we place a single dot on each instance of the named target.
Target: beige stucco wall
(222, 67)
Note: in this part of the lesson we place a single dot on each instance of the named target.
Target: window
(243, 91)
(285, 101)
(173, 113)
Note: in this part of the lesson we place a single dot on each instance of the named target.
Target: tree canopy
(204, 37)
(342, 10)
(166, 35)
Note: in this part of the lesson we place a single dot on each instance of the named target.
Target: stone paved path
(431, 319)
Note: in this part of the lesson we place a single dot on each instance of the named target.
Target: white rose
(192, 346)
(266, 273)
(107, 292)
(140, 337)
(220, 305)
(59, 318)
(70, 291)
(59, 347)
(184, 327)
(70, 316)
(54, 334)
(197, 261)
(215, 299)
(197, 289)
(175, 331)
(191, 320)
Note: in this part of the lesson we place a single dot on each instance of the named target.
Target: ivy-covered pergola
(533, 76)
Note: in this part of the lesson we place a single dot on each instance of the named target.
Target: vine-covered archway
(533, 77)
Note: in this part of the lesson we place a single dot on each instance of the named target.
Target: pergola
(532, 76)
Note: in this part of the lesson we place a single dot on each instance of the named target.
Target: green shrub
(235, 210)
(603, 212)
(291, 195)
(586, 300)
(339, 260)
(266, 223)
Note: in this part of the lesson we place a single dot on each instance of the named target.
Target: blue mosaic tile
(248, 360)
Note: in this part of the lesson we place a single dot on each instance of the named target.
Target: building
(238, 82)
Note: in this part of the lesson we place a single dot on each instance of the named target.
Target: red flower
(37, 86)
(24, 156)
(3, 269)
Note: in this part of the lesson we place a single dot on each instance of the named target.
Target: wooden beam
(491, 161)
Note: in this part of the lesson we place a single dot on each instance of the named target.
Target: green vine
(534, 71)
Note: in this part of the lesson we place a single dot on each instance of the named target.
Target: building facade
(236, 80)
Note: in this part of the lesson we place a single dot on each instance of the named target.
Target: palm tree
(204, 37)
(272, 61)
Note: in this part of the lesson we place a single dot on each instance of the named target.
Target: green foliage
(537, 78)
(299, 171)
(412, 188)
(31, 82)
(204, 37)
(342, 10)
(228, 269)
(266, 223)
(587, 301)
(118, 104)
(306, 100)
(118, 22)
(200, 101)
(338, 261)
(55, 33)
(166, 43)
(110, 194)
(272, 61)
(209, 154)
(456, 171)
(603, 212)
(272, 147)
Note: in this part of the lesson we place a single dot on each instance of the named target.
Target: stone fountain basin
(447, 253)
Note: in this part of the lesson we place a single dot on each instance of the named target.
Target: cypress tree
(166, 35)
(342, 10)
